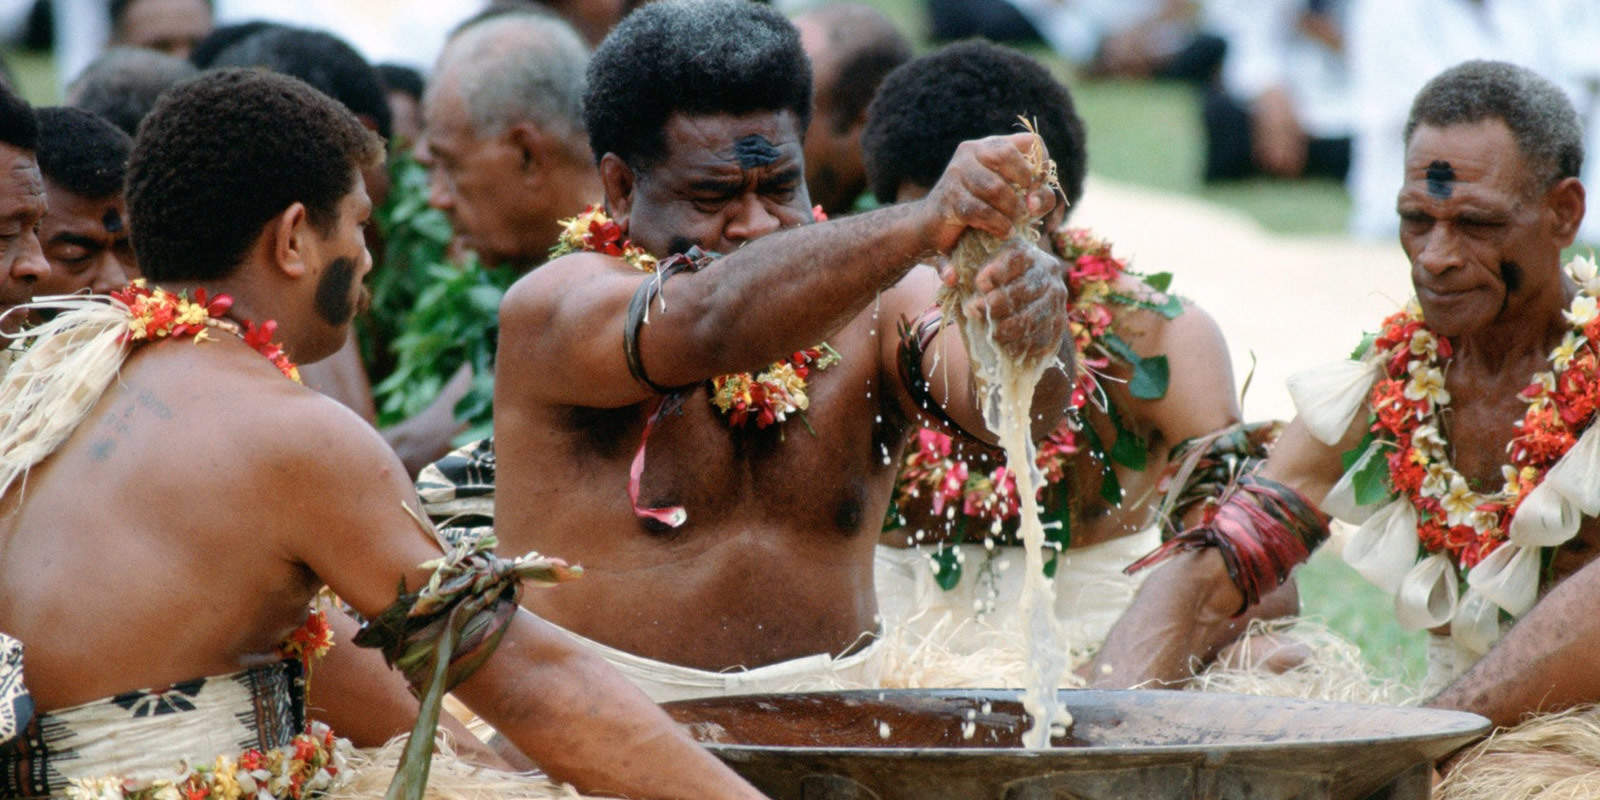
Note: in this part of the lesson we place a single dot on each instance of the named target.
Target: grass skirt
(450, 778)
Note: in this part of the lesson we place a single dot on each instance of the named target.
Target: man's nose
(112, 274)
(751, 220)
(30, 264)
(439, 195)
(1440, 252)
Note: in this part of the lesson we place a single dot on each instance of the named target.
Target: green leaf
(485, 299)
(892, 519)
(1348, 458)
(1110, 484)
(1159, 281)
(949, 573)
(1170, 308)
(1060, 534)
(1129, 449)
(1150, 378)
(1370, 476)
(1150, 375)
(1361, 349)
(1111, 487)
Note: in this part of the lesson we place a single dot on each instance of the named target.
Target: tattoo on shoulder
(118, 423)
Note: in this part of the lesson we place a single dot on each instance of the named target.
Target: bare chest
(1480, 423)
(827, 466)
(1480, 428)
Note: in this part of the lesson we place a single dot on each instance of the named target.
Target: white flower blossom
(1429, 442)
(1583, 311)
(1460, 502)
(94, 789)
(1483, 521)
(1424, 343)
(1585, 273)
(1426, 382)
(1436, 481)
(1562, 355)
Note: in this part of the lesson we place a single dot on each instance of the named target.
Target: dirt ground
(1292, 301)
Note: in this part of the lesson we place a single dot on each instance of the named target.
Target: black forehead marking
(1440, 177)
(112, 220)
(755, 151)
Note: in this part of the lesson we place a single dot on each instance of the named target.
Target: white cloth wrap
(664, 682)
(1329, 397)
(1090, 592)
(1385, 548)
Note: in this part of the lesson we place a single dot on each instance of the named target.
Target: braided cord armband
(639, 310)
(440, 634)
(914, 340)
(1200, 469)
(1262, 528)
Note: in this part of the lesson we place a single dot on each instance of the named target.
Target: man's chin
(1456, 315)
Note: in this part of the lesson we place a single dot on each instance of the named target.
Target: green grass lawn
(35, 75)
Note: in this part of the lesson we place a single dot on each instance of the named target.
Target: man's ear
(618, 181)
(531, 146)
(288, 235)
(1566, 203)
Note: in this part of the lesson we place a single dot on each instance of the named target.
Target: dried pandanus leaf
(1006, 382)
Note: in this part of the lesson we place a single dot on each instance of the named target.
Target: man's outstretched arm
(568, 711)
(1545, 663)
(585, 724)
(1190, 608)
(772, 297)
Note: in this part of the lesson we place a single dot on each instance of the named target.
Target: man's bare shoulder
(291, 425)
(564, 281)
(1199, 396)
(913, 294)
(1157, 323)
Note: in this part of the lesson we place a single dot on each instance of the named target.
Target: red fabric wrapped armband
(1262, 528)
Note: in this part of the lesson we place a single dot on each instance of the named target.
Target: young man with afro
(1154, 383)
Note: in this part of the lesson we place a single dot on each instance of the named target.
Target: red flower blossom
(252, 759)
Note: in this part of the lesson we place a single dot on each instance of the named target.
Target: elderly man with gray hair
(1461, 437)
(504, 141)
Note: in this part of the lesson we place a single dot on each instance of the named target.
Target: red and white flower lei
(1409, 398)
(762, 399)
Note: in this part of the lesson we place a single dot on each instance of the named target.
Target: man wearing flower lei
(1460, 438)
(1153, 372)
(716, 439)
(227, 495)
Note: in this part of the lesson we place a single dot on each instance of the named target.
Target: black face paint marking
(332, 300)
(1511, 276)
(1440, 177)
(112, 221)
(755, 151)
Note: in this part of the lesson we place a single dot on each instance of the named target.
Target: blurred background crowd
(1231, 91)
